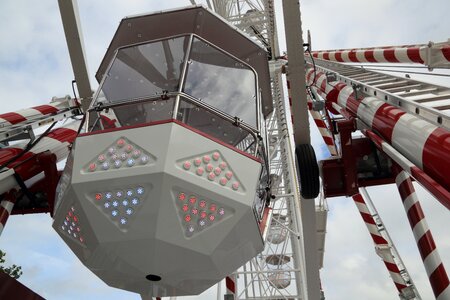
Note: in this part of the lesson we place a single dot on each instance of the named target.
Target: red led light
(194, 211)
(203, 214)
(101, 158)
(211, 176)
(75, 218)
(197, 162)
(187, 165)
(223, 165)
(209, 167)
(206, 159)
(70, 214)
(185, 208)
(235, 185)
(213, 207)
(182, 196)
(78, 229)
(217, 171)
(202, 204)
(129, 148)
(228, 175)
(200, 171)
(121, 143)
(81, 239)
(212, 217)
(98, 196)
(192, 199)
(92, 167)
(187, 218)
(223, 181)
(216, 156)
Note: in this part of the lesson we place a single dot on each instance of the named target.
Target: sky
(35, 66)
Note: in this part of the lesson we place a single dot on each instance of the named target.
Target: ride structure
(190, 157)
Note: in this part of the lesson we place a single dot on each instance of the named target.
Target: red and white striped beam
(431, 55)
(24, 115)
(230, 283)
(420, 142)
(432, 261)
(57, 142)
(6, 206)
(380, 243)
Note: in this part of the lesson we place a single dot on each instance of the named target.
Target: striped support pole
(288, 83)
(433, 264)
(380, 243)
(28, 114)
(6, 206)
(57, 142)
(432, 55)
(422, 143)
(230, 283)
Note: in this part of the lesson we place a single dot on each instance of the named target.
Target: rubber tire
(308, 171)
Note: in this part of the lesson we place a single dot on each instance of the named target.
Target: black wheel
(308, 171)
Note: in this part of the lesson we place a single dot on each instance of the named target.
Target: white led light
(129, 193)
(66, 223)
(130, 162)
(119, 194)
(115, 203)
(144, 159)
(105, 166)
(123, 156)
(125, 202)
(123, 221)
(111, 151)
(190, 229)
(63, 227)
(117, 164)
(114, 213)
(107, 204)
(108, 195)
(202, 223)
(140, 190)
(135, 201)
(129, 211)
(136, 153)
(221, 211)
(101, 158)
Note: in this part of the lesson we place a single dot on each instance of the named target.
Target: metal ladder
(428, 101)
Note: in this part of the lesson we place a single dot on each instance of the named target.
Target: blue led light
(123, 221)
(107, 204)
(108, 195)
(105, 166)
(125, 202)
(115, 203)
(130, 193)
(130, 162)
(114, 213)
(117, 164)
(129, 211)
(135, 201)
(140, 190)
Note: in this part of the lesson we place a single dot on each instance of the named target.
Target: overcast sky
(34, 66)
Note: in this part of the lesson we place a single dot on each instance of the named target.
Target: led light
(235, 186)
(135, 201)
(192, 200)
(115, 203)
(81, 239)
(212, 217)
(200, 171)
(75, 235)
(187, 218)
(130, 162)
(136, 153)
(69, 232)
(144, 159)
(211, 176)
(216, 156)
(194, 211)
(125, 202)
(123, 156)
(101, 158)
(73, 223)
(98, 196)
(75, 218)
(117, 164)
(129, 193)
(129, 211)
(92, 167)
(229, 175)
(114, 157)
(202, 223)
(66, 223)
(202, 204)
(129, 148)
(181, 196)
(212, 207)
(203, 214)
(108, 195)
(140, 190)
(63, 227)
(209, 167)
(190, 229)
(206, 159)
(119, 194)
(123, 221)
(217, 171)
(107, 204)
(187, 165)
(221, 211)
(197, 162)
(185, 208)
(223, 165)
(114, 213)
(121, 143)
(223, 181)
(105, 165)
(72, 209)
(111, 151)
(67, 219)
(78, 229)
